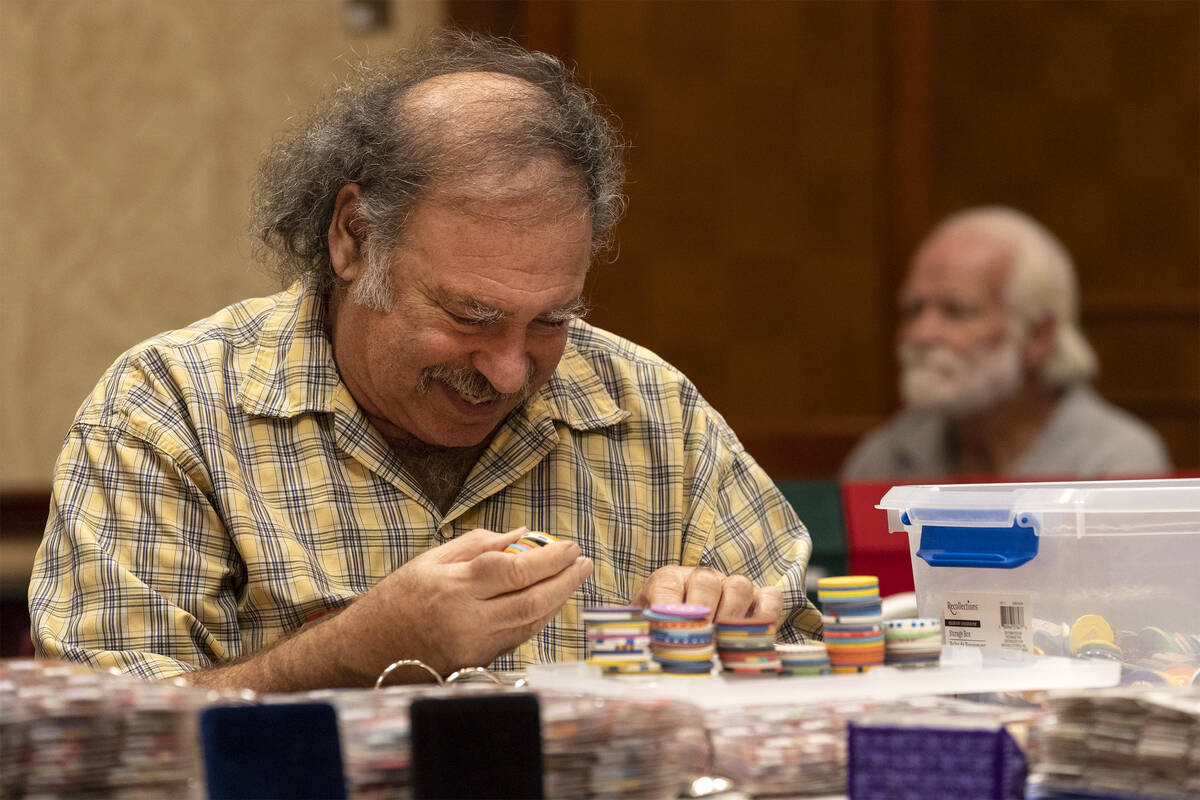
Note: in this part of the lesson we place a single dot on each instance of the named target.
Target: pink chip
(689, 610)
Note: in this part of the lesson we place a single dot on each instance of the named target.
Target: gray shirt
(1085, 436)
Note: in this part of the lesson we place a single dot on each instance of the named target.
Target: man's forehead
(964, 261)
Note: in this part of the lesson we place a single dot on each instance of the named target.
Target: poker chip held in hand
(530, 540)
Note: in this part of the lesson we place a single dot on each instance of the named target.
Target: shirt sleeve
(756, 533)
(135, 570)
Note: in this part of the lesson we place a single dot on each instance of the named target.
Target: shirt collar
(575, 394)
(294, 372)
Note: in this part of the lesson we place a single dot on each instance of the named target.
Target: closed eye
(474, 322)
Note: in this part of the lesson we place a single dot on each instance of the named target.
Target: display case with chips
(1101, 569)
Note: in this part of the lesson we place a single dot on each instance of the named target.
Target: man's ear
(1040, 343)
(345, 234)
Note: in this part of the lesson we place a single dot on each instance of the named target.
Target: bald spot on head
(477, 126)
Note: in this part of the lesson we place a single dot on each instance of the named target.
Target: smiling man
(994, 369)
(303, 488)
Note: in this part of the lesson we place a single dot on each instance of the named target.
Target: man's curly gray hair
(365, 133)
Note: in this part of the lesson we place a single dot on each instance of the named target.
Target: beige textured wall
(129, 133)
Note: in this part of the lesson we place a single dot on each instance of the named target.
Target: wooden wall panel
(1087, 115)
(788, 156)
(755, 231)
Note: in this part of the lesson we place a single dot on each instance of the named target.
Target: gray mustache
(470, 383)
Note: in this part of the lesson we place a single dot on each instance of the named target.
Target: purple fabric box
(920, 762)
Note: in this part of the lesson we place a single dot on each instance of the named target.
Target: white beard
(938, 378)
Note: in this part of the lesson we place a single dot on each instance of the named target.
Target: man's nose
(926, 328)
(503, 360)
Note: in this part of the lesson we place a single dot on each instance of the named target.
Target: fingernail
(572, 553)
(584, 564)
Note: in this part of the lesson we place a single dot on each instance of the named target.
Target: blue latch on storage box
(979, 547)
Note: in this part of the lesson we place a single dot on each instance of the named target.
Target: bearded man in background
(995, 372)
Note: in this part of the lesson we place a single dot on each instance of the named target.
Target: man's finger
(493, 574)
(665, 585)
(704, 588)
(737, 598)
(472, 544)
(529, 609)
(768, 603)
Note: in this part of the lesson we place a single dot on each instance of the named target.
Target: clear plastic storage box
(1104, 569)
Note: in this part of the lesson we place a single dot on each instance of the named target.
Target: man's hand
(729, 596)
(458, 605)
(464, 603)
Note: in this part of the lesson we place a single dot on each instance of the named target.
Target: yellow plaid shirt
(220, 487)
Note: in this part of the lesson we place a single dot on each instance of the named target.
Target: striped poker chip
(763, 670)
(837, 582)
(870, 632)
(749, 657)
(691, 625)
(667, 638)
(679, 611)
(872, 606)
(800, 649)
(805, 672)
(913, 624)
(681, 665)
(631, 668)
(530, 540)
(681, 653)
(856, 596)
(752, 625)
(603, 658)
(851, 621)
(626, 629)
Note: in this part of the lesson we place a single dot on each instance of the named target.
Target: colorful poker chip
(618, 639)
(1089, 628)
(681, 637)
(848, 582)
(681, 610)
(530, 540)
(849, 601)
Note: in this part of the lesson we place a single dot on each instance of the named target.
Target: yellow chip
(848, 582)
(1090, 628)
(825, 593)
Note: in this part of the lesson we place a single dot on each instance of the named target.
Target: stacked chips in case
(747, 646)
(681, 637)
(618, 639)
(852, 613)
(803, 659)
(912, 642)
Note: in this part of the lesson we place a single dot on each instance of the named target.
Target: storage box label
(993, 621)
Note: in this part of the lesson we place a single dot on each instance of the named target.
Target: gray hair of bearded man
(397, 153)
(1042, 284)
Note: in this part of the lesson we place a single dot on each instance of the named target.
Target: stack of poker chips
(681, 637)
(618, 639)
(531, 540)
(852, 614)
(912, 642)
(747, 646)
(803, 659)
